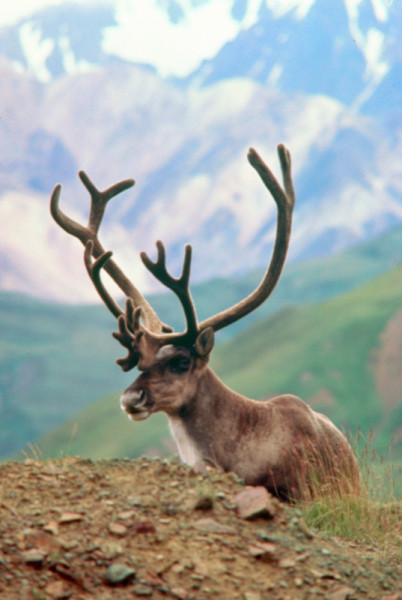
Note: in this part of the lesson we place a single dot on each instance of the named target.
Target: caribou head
(280, 443)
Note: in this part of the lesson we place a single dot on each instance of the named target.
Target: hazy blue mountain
(82, 88)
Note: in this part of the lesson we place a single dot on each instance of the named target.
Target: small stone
(212, 526)
(52, 527)
(180, 593)
(342, 593)
(305, 529)
(264, 551)
(252, 596)
(118, 573)
(255, 502)
(178, 568)
(126, 515)
(298, 582)
(70, 517)
(58, 590)
(142, 590)
(287, 563)
(118, 529)
(34, 557)
(143, 527)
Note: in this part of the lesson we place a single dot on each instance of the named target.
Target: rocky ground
(121, 530)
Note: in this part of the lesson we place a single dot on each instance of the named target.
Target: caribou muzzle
(137, 404)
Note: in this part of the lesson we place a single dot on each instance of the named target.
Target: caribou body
(280, 443)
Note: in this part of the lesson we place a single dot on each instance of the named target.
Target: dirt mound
(86, 530)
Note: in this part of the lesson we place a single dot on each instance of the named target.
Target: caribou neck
(201, 438)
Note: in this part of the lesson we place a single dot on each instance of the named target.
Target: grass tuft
(373, 517)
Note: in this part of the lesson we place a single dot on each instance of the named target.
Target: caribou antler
(140, 329)
(285, 200)
(89, 233)
(179, 286)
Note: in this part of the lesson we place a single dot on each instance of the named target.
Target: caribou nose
(137, 404)
(133, 401)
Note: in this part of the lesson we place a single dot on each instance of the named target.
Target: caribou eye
(179, 364)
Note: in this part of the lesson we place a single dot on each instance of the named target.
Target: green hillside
(341, 356)
(53, 361)
(56, 360)
(332, 354)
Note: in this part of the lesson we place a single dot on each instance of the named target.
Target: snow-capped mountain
(173, 93)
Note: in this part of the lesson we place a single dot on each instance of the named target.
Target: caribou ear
(204, 342)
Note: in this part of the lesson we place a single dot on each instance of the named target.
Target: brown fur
(280, 443)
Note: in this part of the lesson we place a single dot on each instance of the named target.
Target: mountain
(56, 360)
(343, 356)
(82, 87)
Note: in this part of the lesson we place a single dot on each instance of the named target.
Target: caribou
(280, 443)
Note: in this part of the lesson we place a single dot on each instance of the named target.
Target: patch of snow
(145, 33)
(351, 212)
(380, 8)
(36, 50)
(70, 63)
(371, 45)
(280, 8)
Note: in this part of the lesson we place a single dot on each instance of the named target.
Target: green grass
(374, 517)
(359, 520)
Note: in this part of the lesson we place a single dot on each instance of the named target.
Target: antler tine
(180, 285)
(284, 199)
(99, 200)
(129, 335)
(70, 226)
(94, 269)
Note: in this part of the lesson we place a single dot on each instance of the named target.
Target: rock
(34, 557)
(342, 593)
(126, 515)
(305, 529)
(142, 590)
(180, 593)
(255, 502)
(143, 527)
(212, 526)
(58, 590)
(52, 527)
(70, 517)
(118, 529)
(286, 563)
(118, 573)
(252, 596)
(264, 551)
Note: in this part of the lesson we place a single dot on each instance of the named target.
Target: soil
(154, 528)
